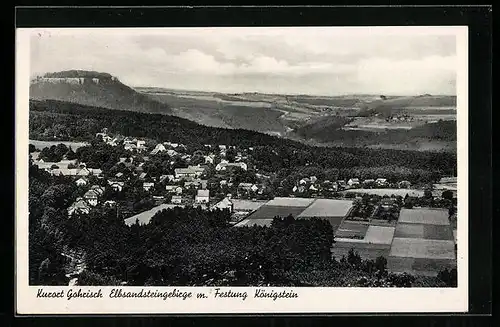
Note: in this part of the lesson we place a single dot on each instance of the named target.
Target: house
(209, 159)
(199, 170)
(225, 203)
(387, 203)
(79, 207)
(203, 196)
(313, 188)
(178, 190)
(110, 203)
(184, 173)
(176, 199)
(304, 181)
(224, 166)
(404, 184)
(98, 189)
(222, 147)
(341, 183)
(381, 182)
(116, 185)
(141, 145)
(81, 181)
(158, 148)
(353, 182)
(313, 179)
(91, 197)
(147, 186)
(172, 153)
(142, 175)
(119, 175)
(170, 188)
(130, 146)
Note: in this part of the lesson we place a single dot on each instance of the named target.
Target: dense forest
(189, 247)
(69, 121)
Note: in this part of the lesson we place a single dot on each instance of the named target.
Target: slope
(94, 89)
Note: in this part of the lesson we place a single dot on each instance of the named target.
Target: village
(210, 183)
(166, 175)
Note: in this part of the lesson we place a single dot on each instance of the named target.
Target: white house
(176, 199)
(79, 206)
(203, 196)
(147, 186)
(381, 182)
(224, 166)
(224, 204)
(209, 159)
(159, 148)
(91, 197)
(81, 181)
(353, 182)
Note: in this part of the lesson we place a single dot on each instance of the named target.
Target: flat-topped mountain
(94, 89)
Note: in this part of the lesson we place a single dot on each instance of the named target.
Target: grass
(379, 235)
(438, 232)
(404, 230)
(327, 208)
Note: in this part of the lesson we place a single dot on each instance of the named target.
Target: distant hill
(393, 105)
(94, 89)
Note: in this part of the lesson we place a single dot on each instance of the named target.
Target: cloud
(314, 60)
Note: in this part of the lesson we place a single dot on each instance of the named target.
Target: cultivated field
(290, 202)
(421, 248)
(379, 235)
(327, 208)
(270, 211)
(365, 250)
(424, 216)
(419, 266)
(145, 217)
(351, 230)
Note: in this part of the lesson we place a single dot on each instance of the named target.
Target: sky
(307, 60)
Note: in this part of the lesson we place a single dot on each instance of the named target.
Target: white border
(311, 300)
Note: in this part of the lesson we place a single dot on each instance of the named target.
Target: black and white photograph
(251, 162)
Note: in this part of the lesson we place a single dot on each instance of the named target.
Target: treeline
(69, 121)
(439, 131)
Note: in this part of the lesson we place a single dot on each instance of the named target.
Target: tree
(448, 195)
(32, 148)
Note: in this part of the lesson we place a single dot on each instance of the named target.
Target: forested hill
(69, 121)
(94, 89)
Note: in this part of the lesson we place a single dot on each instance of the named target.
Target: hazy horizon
(323, 61)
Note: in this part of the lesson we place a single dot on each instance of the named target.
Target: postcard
(241, 170)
